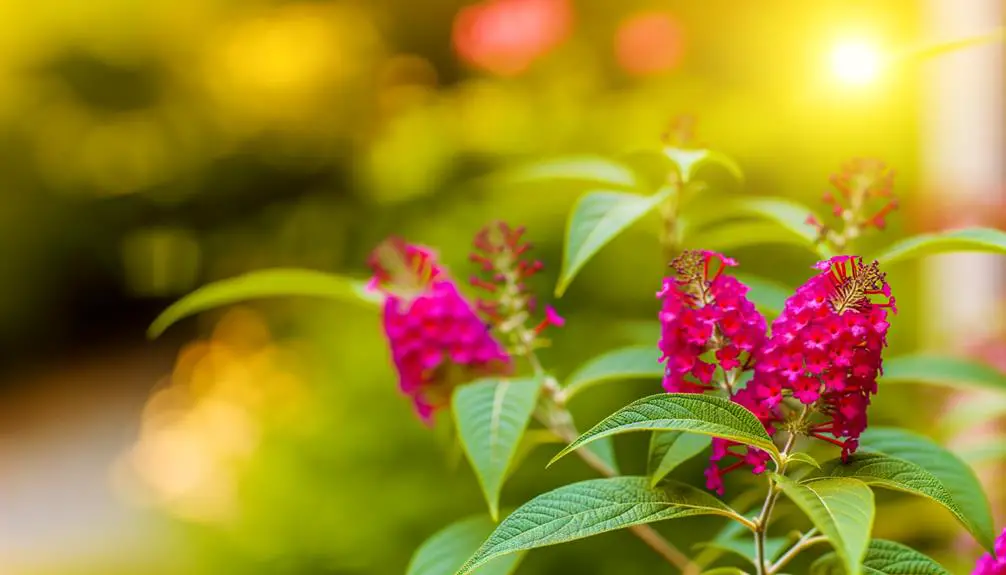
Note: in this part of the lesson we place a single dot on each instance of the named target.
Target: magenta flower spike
(993, 565)
(436, 338)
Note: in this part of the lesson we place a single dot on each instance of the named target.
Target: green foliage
(789, 216)
(590, 170)
(669, 449)
(725, 571)
(745, 547)
(878, 469)
(703, 414)
(596, 219)
(278, 282)
(688, 161)
(589, 508)
(726, 237)
(801, 457)
(961, 240)
(491, 416)
(620, 364)
(943, 370)
(958, 479)
(883, 558)
(842, 509)
(768, 296)
(446, 550)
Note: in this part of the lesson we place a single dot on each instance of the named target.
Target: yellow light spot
(856, 62)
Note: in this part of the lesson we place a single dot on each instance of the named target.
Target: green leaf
(958, 479)
(961, 240)
(943, 370)
(491, 416)
(593, 170)
(804, 458)
(729, 236)
(768, 296)
(689, 160)
(277, 282)
(841, 509)
(626, 363)
(789, 215)
(589, 508)
(446, 550)
(725, 571)
(669, 449)
(883, 558)
(532, 439)
(693, 413)
(882, 470)
(596, 219)
(605, 450)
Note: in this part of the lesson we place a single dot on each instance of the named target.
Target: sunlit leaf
(688, 162)
(669, 449)
(271, 283)
(958, 479)
(491, 416)
(943, 370)
(768, 296)
(692, 413)
(627, 363)
(804, 458)
(883, 558)
(590, 170)
(596, 219)
(789, 215)
(730, 236)
(841, 509)
(589, 508)
(882, 470)
(960, 240)
(446, 550)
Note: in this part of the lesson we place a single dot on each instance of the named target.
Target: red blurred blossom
(506, 36)
(705, 310)
(508, 305)
(436, 338)
(649, 43)
(865, 198)
(993, 565)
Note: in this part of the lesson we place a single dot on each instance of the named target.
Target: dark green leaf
(445, 551)
(841, 509)
(278, 282)
(943, 370)
(491, 416)
(589, 508)
(958, 479)
(669, 449)
(596, 219)
(702, 414)
(961, 240)
(620, 364)
(883, 558)
(882, 470)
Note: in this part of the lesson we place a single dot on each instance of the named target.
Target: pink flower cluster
(436, 338)
(705, 311)
(993, 565)
(860, 184)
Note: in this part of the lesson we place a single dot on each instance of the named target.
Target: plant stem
(804, 542)
(762, 521)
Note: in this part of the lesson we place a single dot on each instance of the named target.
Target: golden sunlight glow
(856, 62)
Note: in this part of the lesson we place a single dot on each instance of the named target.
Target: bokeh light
(856, 62)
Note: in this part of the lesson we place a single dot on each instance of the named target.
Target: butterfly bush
(436, 338)
(989, 564)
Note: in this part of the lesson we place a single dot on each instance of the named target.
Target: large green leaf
(958, 479)
(791, 216)
(626, 363)
(596, 219)
(277, 282)
(591, 170)
(943, 370)
(669, 449)
(491, 416)
(689, 412)
(960, 240)
(589, 508)
(884, 470)
(842, 509)
(883, 558)
(726, 237)
(446, 550)
(768, 296)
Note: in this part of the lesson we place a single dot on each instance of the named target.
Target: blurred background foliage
(149, 147)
